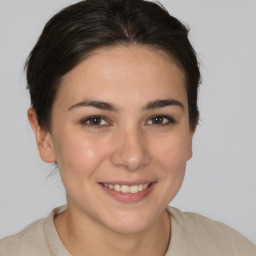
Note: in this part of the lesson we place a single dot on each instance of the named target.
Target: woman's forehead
(124, 73)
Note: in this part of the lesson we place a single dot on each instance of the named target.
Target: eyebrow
(163, 103)
(96, 104)
(110, 107)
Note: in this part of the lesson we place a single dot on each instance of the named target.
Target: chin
(130, 222)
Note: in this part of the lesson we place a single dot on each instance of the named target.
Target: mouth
(128, 193)
(127, 189)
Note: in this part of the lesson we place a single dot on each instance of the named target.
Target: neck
(84, 235)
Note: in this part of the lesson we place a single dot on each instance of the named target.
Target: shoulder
(40, 238)
(203, 235)
(29, 241)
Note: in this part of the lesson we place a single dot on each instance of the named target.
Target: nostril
(130, 154)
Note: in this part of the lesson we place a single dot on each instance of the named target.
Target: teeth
(141, 187)
(134, 189)
(117, 187)
(127, 189)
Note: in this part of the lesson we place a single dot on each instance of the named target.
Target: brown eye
(160, 120)
(95, 121)
(157, 120)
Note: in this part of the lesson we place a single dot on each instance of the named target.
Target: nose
(131, 151)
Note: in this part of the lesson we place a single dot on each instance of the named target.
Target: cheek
(170, 155)
(78, 156)
(172, 151)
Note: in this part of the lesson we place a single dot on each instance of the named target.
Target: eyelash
(85, 122)
(170, 120)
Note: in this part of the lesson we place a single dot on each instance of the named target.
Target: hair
(77, 30)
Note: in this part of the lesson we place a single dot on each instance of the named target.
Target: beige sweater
(191, 234)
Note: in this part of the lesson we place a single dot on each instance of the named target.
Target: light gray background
(221, 178)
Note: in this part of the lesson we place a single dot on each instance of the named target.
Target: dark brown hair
(81, 28)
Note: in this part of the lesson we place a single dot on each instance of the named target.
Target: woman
(113, 87)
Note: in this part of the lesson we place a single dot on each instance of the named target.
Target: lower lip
(129, 197)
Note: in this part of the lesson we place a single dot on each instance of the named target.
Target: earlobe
(43, 138)
(190, 151)
(190, 154)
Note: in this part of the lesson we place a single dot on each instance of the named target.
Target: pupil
(158, 120)
(95, 121)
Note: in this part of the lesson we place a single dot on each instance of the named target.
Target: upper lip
(127, 183)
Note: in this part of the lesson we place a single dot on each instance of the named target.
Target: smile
(126, 189)
(128, 193)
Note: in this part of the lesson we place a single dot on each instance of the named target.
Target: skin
(126, 146)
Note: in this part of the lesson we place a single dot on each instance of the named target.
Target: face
(121, 136)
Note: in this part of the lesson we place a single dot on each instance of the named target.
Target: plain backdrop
(220, 181)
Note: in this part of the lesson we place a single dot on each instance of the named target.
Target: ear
(190, 151)
(43, 138)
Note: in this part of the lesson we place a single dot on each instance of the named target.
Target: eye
(95, 121)
(160, 120)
